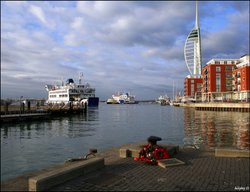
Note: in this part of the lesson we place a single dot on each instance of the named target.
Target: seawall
(239, 107)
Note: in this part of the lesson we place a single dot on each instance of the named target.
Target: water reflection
(71, 126)
(29, 146)
(243, 136)
(216, 129)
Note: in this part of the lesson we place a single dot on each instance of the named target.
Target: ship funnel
(69, 81)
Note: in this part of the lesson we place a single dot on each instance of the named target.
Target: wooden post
(6, 107)
(70, 105)
(23, 107)
(28, 105)
(85, 107)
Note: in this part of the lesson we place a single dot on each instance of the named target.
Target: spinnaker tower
(192, 49)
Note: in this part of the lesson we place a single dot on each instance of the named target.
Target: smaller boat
(122, 98)
(163, 100)
(112, 101)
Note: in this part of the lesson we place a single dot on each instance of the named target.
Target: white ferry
(122, 98)
(70, 92)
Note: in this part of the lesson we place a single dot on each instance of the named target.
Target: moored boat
(72, 93)
(163, 100)
(122, 98)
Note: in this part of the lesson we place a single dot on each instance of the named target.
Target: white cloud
(77, 23)
(118, 45)
(38, 12)
(71, 40)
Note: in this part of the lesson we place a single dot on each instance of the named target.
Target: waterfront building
(241, 79)
(192, 88)
(219, 80)
(226, 79)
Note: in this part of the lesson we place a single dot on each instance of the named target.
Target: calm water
(30, 146)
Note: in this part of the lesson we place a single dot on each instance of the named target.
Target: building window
(199, 87)
(192, 89)
(228, 68)
(238, 88)
(217, 69)
(228, 75)
(218, 82)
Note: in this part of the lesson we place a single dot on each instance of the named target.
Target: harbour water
(30, 146)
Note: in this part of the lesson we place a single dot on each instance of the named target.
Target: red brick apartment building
(241, 79)
(192, 87)
(217, 79)
(222, 80)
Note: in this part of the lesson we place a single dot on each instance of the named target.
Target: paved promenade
(202, 172)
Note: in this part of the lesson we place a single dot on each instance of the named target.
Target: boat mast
(80, 78)
(62, 81)
(176, 91)
(173, 90)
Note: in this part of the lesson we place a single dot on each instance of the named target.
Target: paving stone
(202, 172)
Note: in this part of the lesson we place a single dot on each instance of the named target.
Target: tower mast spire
(192, 48)
(197, 16)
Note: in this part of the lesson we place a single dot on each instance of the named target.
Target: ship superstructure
(71, 92)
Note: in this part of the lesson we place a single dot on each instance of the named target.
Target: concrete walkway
(202, 172)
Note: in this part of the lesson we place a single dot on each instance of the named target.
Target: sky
(130, 46)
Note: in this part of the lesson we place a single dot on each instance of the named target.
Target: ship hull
(93, 101)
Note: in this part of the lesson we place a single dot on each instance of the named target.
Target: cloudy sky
(131, 46)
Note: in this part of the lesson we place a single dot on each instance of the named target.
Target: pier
(237, 107)
(41, 113)
(24, 117)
